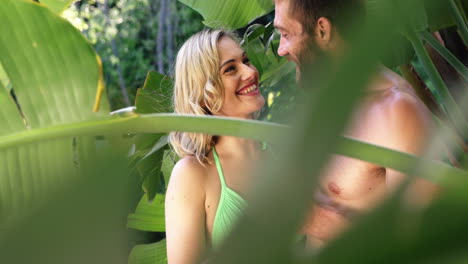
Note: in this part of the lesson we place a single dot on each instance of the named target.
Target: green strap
(218, 166)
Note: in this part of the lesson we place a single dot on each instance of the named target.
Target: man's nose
(282, 50)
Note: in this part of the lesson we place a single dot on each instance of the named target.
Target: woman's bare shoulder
(187, 174)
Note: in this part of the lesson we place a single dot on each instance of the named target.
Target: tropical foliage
(133, 37)
(63, 170)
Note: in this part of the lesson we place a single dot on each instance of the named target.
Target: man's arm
(185, 213)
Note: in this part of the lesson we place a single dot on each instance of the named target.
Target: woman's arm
(185, 213)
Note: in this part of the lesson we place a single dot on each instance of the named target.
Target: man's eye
(281, 34)
(246, 60)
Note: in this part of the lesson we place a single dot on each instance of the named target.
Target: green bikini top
(230, 207)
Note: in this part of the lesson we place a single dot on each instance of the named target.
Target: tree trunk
(169, 36)
(122, 85)
(160, 37)
(176, 19)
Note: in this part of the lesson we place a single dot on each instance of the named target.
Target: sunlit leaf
(4, 80)
(230, 14)
(54, 72)
(57, 6)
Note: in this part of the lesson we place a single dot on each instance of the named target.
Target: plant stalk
(421, 89)
(455, 114)
(461, 23)
(444, 52)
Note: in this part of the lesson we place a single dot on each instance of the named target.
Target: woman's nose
(249, 72)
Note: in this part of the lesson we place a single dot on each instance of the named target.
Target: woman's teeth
(248, 90)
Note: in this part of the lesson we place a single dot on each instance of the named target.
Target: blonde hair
(198, 89)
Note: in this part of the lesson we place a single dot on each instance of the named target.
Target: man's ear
(324, 32)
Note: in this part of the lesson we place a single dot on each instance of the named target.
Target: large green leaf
(439, 17)
(260, 53)
(55, 75)
(230, 13)
(414, 11)
(154, 97)
(52, 67)
(57, 5)
(4, 80)
(156, 94)
(154, 253)
(149, 215)
(80, 222)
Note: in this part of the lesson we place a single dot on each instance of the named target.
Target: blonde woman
(213, 76)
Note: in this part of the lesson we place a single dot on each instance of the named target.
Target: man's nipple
(334, 188)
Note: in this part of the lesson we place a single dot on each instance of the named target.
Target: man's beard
(312, 62)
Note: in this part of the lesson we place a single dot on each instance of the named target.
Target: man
(390, 115)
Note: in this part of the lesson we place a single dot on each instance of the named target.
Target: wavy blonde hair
(198, 89)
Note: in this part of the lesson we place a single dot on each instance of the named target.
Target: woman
(213, 76)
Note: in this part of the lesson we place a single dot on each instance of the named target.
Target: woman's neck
(237, 146)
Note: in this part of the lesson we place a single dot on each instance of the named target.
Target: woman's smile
(250, 89)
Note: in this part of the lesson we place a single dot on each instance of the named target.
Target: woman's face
(242, 95)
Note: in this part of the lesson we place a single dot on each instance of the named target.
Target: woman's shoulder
(189, 165)
(188, 172)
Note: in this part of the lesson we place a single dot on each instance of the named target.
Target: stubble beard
(310, 55)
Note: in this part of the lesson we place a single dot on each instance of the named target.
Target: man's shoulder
(396, 98)
(401, 104)
(396, 118)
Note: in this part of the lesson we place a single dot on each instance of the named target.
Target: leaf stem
(444, 52)
(455, 114)
(461, 23)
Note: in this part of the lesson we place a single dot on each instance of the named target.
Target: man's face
(295, 42)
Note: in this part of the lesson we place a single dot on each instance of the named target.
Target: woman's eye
(246, 60)
(229, 69)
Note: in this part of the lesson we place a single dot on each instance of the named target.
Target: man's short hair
(343, 14)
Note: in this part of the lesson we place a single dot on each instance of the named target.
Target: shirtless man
(391, 116)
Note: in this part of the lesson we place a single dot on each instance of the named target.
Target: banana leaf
(149, 215)
(154, 97)
(54, 72)
(154, 253)
(57, 6)
(230, 14)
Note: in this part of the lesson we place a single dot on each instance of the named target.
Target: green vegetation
(64, 169)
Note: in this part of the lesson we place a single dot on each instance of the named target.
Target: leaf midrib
(257, 130)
